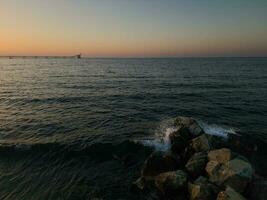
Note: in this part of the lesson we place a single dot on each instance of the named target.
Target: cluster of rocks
(199, 167)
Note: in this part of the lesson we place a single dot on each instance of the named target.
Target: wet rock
(201, 143)
(220, 155)
(196, 164)
(212, 169)
(158, 163)
(183, 121)
(236, 173)
(202, 189)
(187, 154)
(258, 189)
(180, 139)
(171, 182)
(190, 123)
(181, 132)
(230, 194)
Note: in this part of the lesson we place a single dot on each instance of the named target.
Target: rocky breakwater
(199, 166)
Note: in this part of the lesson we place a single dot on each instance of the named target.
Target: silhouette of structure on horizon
(79, 56)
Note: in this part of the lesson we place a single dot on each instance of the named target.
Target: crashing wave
(161, 142)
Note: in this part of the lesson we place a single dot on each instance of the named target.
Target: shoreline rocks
(171, 182)
(199, 167)
(196, 164)
(230, 194)
(202, 189)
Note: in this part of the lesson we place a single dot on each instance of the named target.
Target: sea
(82, 128)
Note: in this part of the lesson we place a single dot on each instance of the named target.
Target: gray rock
(220, 155)
(212, 169)
(196, 164)
(180, 139)
(171, 182)
(236, 173)
(202, 189)
(192, 125)
(201, 143)
(187, 154)
(230, 194)
(183, 121)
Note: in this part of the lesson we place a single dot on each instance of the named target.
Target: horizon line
(130, 57)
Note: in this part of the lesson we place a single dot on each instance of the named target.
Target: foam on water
(214, 129)
(161, 142)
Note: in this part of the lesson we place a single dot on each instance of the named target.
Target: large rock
(236, 173)
(220, 155)
(171, 182)
(258, 189)
(230, 194)
(202, 189)
(187, 154)
(201, 143)
(158, 163)
(212, 169)
(196, 164)
(180, 139)
(190, 123)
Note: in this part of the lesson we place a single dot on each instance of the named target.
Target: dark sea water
(81, 128)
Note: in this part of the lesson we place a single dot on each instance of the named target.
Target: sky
(134, 28)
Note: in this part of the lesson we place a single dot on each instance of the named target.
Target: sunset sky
(134, 28)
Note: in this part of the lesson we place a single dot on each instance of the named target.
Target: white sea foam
(161, 142)
(214, 129)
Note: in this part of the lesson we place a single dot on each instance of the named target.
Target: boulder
(187, 154)
(258, 189)
(171, 182)
(196, 164)
(201, 143)
(220, 155)
(236, 173)
(202, 189)
(212, 169)
(158, 163)
(180, 139)
(183, 121)
(190, 123)
(230, 194)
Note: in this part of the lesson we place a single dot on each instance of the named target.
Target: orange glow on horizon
(44, 47)
(99, 30)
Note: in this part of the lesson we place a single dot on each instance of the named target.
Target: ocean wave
(217, 130)
(160, 140)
